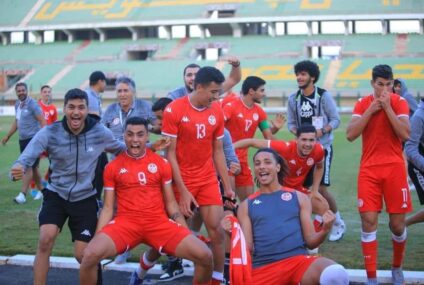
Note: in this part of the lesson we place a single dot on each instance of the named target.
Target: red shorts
(387, 182)
(244, 178)
(286, 271)
(205, 195)
(160, 233)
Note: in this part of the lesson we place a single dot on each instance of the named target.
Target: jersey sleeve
(54, 116)
(108, 177)
(227, 109)
(219, 131)
(401, 108)
(319, 153)
(279, 146)
(358, 110)
(263, 119)
(170, 120)
(166, 172)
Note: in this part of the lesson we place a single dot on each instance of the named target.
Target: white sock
(217, 275)
(338, 217)
(334, 274)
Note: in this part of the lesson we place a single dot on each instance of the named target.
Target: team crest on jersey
(255, 116)
(286, 196)
(212, 120)
(115, 121)
(310, 161)
(152, 168)
(51, 112)
(360, 203)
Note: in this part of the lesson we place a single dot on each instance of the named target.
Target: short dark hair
(208, 74)
(161, 104)
(96, 76)
(305, 128)
(75, 93)
(137, 121)
(396, 82)
(284, 169)
(382, 71)
(252, 82)
(45, 86)
(21, 84)
(310, 67)
(191, 65)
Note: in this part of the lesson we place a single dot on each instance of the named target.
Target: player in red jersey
(140, 181)
(301, 155)
(195, 124)
(49, 110)
(382, 120)
(50, 115)
(243, 116)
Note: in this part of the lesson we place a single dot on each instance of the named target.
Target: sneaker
(397, 276)
(174, 270)
(337, 231)
(187, 263)
(372, 281)
(135, 280)
(20, 199)
(122, 258)
(38, 196)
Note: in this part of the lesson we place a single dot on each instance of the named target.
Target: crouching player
(140, 181)
(277, 228)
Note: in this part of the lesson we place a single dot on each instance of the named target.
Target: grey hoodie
(416, 139)
(326, 108)
(73, 158)
(412, 103)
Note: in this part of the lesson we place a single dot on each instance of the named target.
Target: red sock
(398, 253)
(32, 184)
(317, 226)
(46, 176)
(370, 250)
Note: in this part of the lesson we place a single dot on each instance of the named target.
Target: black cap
(96, 76)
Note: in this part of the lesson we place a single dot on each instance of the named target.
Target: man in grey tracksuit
(414, 149)
(315, 106)
(73, 145)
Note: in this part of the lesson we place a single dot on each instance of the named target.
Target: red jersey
(230, 97)
(49, 111)
(242, 121)
(195, 130)
(137, 183)
(380, 144)
(298, 166)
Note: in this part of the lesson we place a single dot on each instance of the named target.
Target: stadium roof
(57, 14)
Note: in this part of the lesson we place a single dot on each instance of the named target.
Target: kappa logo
(168, 109)
(299, 171)
(86, 233)
(185, 119)
(123, 170)
(257, 202)
(240, 115)
(90, 149)
(292, 162)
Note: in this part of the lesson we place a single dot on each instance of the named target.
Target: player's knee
(204, 257)
(45, 243)
(216, 234)
(397, 229)
(334, 274)
(88, 257)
